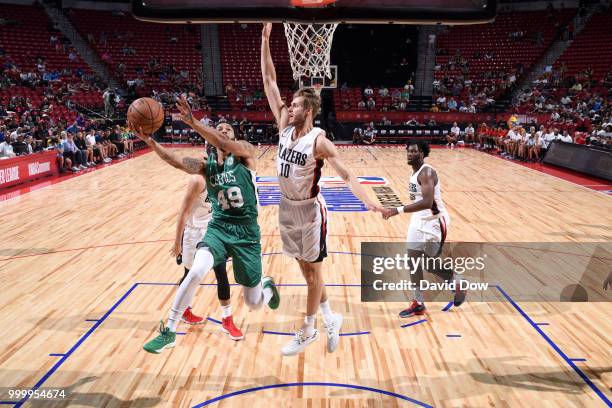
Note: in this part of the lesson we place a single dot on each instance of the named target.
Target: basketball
(146, 113)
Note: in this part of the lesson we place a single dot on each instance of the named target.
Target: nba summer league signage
(335, 191)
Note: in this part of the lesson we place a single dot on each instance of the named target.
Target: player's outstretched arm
(327, 151)
(189, 165)
(428, 183)
(195, 186)
(268, 73)
(239, 148)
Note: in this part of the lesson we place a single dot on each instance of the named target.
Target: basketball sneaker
(268, 282)
(227, 326)
(299, 343)
(190, 318)
(333, 332)
(165, 339)
(415, 309)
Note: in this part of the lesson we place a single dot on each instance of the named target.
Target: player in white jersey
(428, 225)
(193, 219)
(302, 151)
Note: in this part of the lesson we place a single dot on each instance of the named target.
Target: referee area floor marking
(98, 323)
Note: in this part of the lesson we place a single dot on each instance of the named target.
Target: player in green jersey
(232, 232)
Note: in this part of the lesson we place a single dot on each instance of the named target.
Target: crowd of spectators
(382, 98)
(79, 145)
(459, 90)
(530, 142)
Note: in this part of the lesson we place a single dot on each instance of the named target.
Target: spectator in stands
(103, 144)
(128, 139)
(441, 102)
(395, 95)
(524, 143)
(452, 104)
(358, 135)
(30, 144)
(368, 91)
(369, 136)
(81, 144)
(117, 140)
(470, 137)
(453, 135)
(113, 150)
(566, 138)
(547, 139)
(90, 140)
(371, 103)
(6, 149)
(534, 151)
(63, 163)
(109, 103)
(71, 151)
(383, 92)
(19, 146)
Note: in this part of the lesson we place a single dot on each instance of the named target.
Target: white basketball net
(310, 48)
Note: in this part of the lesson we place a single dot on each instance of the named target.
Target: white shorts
(191, 238)
(303, 228)
(428, 234)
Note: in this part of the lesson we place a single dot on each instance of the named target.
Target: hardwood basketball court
(87, 275)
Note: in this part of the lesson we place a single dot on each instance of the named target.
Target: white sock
(226, 311)
(267, 295)
(308, 327)
(202, 263)
(326, 311)
(419, 296)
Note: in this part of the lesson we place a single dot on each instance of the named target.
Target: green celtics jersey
(232, 190)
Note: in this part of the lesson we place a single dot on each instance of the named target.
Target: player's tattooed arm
(188, 164)
(192, 165)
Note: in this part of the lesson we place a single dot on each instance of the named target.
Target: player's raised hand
(267, 30)
(185, 109)
(139, 133)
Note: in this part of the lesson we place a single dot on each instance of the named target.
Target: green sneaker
(268, 282)
(165, 340)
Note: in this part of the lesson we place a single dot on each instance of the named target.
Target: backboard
(322, 82)
(350, 11)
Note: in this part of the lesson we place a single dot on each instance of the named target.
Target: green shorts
(241, 243)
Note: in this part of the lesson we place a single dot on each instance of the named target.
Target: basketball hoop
(310, 48)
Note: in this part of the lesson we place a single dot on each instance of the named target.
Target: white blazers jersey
(416, 194)
(298, 170)
(201, 213)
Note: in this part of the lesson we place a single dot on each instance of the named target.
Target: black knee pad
(223, 287)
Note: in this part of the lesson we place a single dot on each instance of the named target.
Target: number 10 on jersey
(285, 168)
